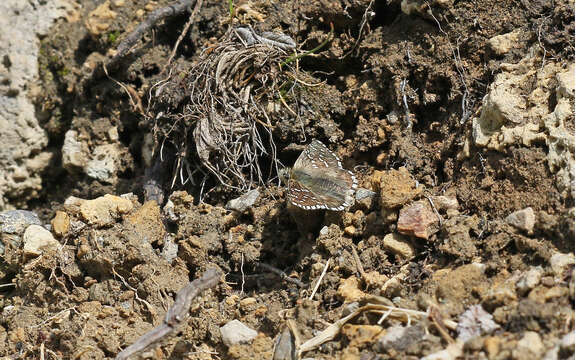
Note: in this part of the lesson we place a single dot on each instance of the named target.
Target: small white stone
(529, 279)
(568, 342)
(559, 263)
(37, 240)
(529, 347)
(522, 220)
(235, 332)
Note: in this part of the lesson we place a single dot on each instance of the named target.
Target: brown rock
(491, 346)
(349, 290)
(374, 279)
(248, 304)
(418, 219)
(360, 334)
(103, 210)
(148, 221)
(60, 223)
(398, 245)
(396, 187)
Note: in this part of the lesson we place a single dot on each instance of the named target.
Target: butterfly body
(318, 180)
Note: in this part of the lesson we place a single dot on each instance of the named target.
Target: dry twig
(175, 315)
(156, 16)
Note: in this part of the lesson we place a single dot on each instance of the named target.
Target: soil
(401, 85)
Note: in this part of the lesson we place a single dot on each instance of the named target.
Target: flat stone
(418, 219)
(235, 332)
(16, 221)
(104, 210)
(398, 245)
(522, 219)
(400, 338)
(38, 240)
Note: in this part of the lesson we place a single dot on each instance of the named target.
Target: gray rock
(285, 346)
(170, 249)
(74, 155)
(103, 165)
(235, 332)
(475, 322)
(243, 202)
(22, 158)
(16, 221)
(522, 219)
(529, 280)
(400, 338)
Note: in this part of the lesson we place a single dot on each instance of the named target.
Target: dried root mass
(225, 108)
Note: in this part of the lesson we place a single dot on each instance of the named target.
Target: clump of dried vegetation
(221, 112)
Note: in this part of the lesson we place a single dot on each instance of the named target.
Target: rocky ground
(458, 117)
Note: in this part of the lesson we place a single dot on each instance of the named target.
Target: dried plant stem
(175, 315)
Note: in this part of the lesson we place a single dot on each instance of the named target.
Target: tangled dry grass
(225, 108)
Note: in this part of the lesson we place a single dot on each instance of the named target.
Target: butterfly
(318, 180)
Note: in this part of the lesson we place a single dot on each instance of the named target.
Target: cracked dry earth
(457, 116)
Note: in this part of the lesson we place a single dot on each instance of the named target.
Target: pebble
(248, 304)
(529, 347)
(349, 290)
(396, 187)
(418, 219)
(443, 202)
(560, 262)
(398, 245)
(104, 210)
(243, 202)
(235, 332)
(523, 220)
(16, 221)
(37, 240)
(529, 280)
(492, 345)
(567, 343)
(358, 335)
(502, 44)
(60, 223)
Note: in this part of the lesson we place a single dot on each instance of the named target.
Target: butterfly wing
(318, 180)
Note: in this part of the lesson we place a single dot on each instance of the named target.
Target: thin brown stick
(175, 315)
(184, 32)
(155, 17)
(281, 274)
(358, 263)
